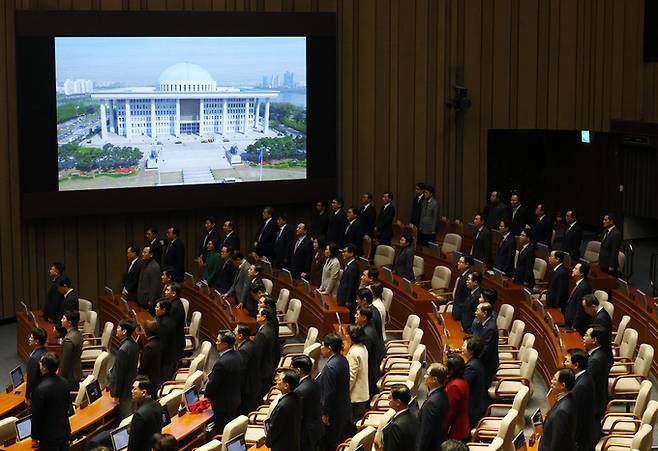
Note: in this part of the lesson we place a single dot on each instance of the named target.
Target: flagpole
(261, 164)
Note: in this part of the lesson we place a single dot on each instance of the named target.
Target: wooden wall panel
(527, 64)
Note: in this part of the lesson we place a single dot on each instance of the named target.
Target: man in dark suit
(334, 383)
(167, 334)
(478, 398)
(210, 233)
(495, 211)
(283, 242)
(417, 203)
(174, 253)
(506, 250)
(309, 392)
(473, 282)
(560, 423)
(403, 428)
(231, 237)
(265, 344)
(462, 292)
(557, 294)
(37, 340)
(374, 343)
(353, 231)
(251, 365)
(153, 242)
(124, 371)
(224, 382)
(519, 216)
(367, 215)
(147, 419)
(600, 316)
(588, 427)
(264, 242)
(70, 367)
(482, 240)
(434, 413)
(53, 297)
(573, 236)
(543, 229)
(525, 264)
(172, 294)
(337, 223)
(302, 254)
(150, 360)
(284, 426)
(148, 284)
(349, 282)
(488, 333)
(320, 220)
(131, 278)
(385, 218)
(598, 366)
(50, 405)
(69, 301)
(610, 245)
(227, 270)
(574, 315)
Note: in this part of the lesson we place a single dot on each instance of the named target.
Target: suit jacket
(174, 255)
(330, 272)
(226, 276)
(266, 238)
(384, 224)
(524, 273)
(124, 371)
(415, 209)
(519, 219)
(495, 214)
(336, 227)
(367, 216)
(283, 246)
(285, 424)
(560, 426)
(70, 302)
(588, 428)
(148, 286)
(349, 284)
(265, 343)
(232, 239)
(167, 336)
(543, 231)
(251, 366)
(70, 367)
(572, 239)
(50, 406)
(609, 253)
(458, 420)
(334, 383)
(156, 248)
(461, 295)
(147, 420)
(241, 282)
(354, 235)
(213, 234)
(178, 314)
(429, 212)
(575, 316)
(300, 261)
(505, 255)
(33, 374)
(489, 355)
(224, 383)
(599, 368)
(150, 363)
(468, 310)
(603, 318)
(478, 399)
(558, 288)
(319, 224)
(358, 360)
(401, 432)
(433, 421)
(131, 279)
(404, 264)
(482, 245)
(312, 427)
(53, 301)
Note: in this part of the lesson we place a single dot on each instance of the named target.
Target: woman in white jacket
(357, 357)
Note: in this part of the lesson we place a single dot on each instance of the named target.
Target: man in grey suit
(241, 282)
(70, 367)
(610, 245)
(429, 212)
(148, 286)
(124, 371)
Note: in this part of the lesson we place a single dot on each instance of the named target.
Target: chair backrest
(364, 437)
(212, 445)
(197, 363)
(628, 343)
(516, 333)
(383, 422)
(282, 300)
(413, 321)
(621, 329)
(172, 400)
(106, 337)
(84, 305)
(419, 353)
(607, 305)
(204, 349)
(195, 324)
(268, 285)
(592, 251)
(526, 345)
(539, 270)
(89, 326)
(496, 444)
(367, 246)
(451, 242)
(234, 428)
(505, 317)
(621, 259)
(294, 309)
(441, 277)
(519, 404)
(186, 307)
(643, 397)
(642, 438)
(387, 298)
(418, 266)
(601, 295)
(516, 258)
(100, 369)
(414, 377)
(528, 366)
(650, 413)
(313, 351)
(8, 428)
(507, 428)
(384, 255)
(82, 392)
(126, 421)
(643, 360)
(195, 380)
(415, 341)
(311, 336)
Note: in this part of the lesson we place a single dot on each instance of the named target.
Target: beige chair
(505, 433)
(312, 350)
(186, 307)
(440, 282)
(628, 384)
(451, 242)
(172, 401)
(8, 429)
(399, 376)
(384, 418)
(195, 380)
(618, 335)
(365, 437)
(384, 255)
(413, 321)
(418, 267)
(192, 336)
(185, 362)
(268, 285)
(625, 352)
(126, 421)
(85, 305)
(592, 251)
(614, 408)
(405, 349)
(513, 340)
(198, 363)
(311, 337)
(539, 270)
(403, 362)
(212, 445)
(282, 300)
(387, 299)
(508, 354)
(629, 423)
(100, 369)
(81, 394)
(504, 319)
(87, 325)
(608, 307)
(289, 328)
(621, 259)
(489, 425)
(506, 388)
(512, 369)
(92, 347)
(640, 441)
(601, 295)
(233, 428)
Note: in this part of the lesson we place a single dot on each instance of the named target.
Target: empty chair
(451, 242)
(506, 353)
(399, 362)
(100, 370)
(507, 387)
(84, 305)
(93, 346)
(192, 337)
(418, 267)
(282, 300)
(365, 438)
(289, 327)
(405, 349)
(387, 299)
(413, 321)
(233, 428)
(625, 352)
(87, 325)
(644, 412)
(268, 285)
(198, 363)
(311, 337)
(400, 377)
(592, 251)
(607, 305)
(539, 270)
(186, 307)
(488, 426)
(172, 401)
(82, 390)
(505, 433)
(513, 340)
(629, 384)
(440, 282)
(312, 350)
(640, 441)
(8, 429)
(618, 335)
(504, 318)
(384, 255)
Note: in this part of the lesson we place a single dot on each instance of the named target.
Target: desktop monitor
(623, 286)
(456, 255)
(237, 444)
(519, 442)
(407, 285)
(93, 391)
(24, 428)
(478, 265)
(642, 298)
(388, 274)
(166, 418)
(16, 376)
(434, 248)
(191, 396)
(307, 286)
(120, 438)
(288, 273)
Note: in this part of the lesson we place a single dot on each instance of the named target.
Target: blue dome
(185, 73)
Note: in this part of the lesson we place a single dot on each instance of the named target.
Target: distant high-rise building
(288, 80)
(275, 81)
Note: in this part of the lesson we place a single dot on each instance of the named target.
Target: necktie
(278, 235)
(573, 290)
(605, 234)
(297, 244)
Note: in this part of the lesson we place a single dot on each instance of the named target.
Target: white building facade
(186, 100)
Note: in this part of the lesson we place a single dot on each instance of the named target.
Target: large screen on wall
(185, 107)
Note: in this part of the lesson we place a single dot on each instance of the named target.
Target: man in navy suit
(264, 242)
(610, 245)
(174, 253)
(337, 223)
(558, 282)
(600, 316)
(385, 218)
(224, 382)
(283, 428)
(283, 242)
(482, 240)
(335, 392)
(473, 282)
(589, 428)
(506, 250)
(488, 333)
(131, 279)
(573, 236)
(353, 231)
(543, 229)
(478, 398)
(598, 366)
(349, 282)
(464, 265)
(519, 214)
(251, 365)
(302, 253)
(266, 346)
(574, 315)
(367, 215)
(403, 428)
(210, 233)
(231, 237)
(309, 392)
(525, 264)
(434, 412)
(560, 424)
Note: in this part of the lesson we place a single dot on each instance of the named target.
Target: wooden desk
(12, 402)
(24, 328)
(185, 429)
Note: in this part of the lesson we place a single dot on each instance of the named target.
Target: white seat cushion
(626, 384)
(285, 330)
(623, 427)
(254, 433)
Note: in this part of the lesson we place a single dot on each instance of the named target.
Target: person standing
(335, 392)
(573, 236)
(210, 233)
(558, 281)
(70, 364)
(403, 428)
(309, 392)
(124, 371)
(251, 364)
(416, 204)
(560, 423)
(147, 419)
(403, 265)
(429, 213)
(131, 278)
(213, 264)
(385, 218)
(458, 399)
(433, 414)
(167, 334)
(284, 425)
(53, 298)
(610, 245)
(174, 253)
(37, 341)
(478, 398)
(150, 361)
(357, 358)
(50, 406)
(148, 285)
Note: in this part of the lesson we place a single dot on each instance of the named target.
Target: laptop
(478, 265)
(120, 438)
(434, 248)
(24, 428)
(189, 278)
(519, 442)
(237, 444)
(191, 396)
(365, 264)
(388, 274)
(16, 376)
(498, 274)
(527, 295)
(93, 391)
(623, 286)
(456, 255)
(287, 271)
(166, 418)
(538, 421)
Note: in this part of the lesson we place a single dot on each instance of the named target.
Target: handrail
(653, 273)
